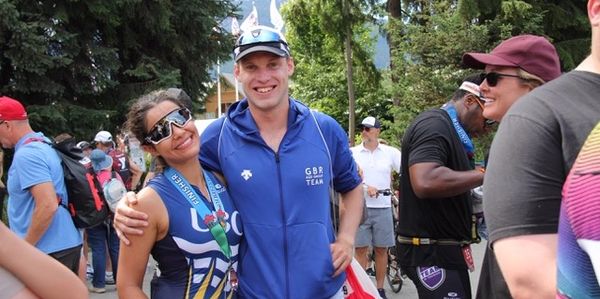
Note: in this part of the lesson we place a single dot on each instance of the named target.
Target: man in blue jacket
(279, 160)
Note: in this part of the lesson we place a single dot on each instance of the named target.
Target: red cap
(534, 54)
(11, 109)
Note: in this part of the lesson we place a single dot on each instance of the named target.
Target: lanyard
(215, 221)
(462, 134)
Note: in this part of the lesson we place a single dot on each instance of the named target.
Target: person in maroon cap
(533, 150)
(514, 68)
(36, 189)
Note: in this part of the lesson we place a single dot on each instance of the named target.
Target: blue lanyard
(462, 134)
(215, 220)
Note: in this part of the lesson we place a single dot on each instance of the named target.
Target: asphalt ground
(408, 290)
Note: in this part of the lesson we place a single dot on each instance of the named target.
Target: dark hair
(476, 78)
(62, 137)
(136, 117)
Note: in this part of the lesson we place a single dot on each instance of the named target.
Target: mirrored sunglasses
(162, 129)
(259, 35)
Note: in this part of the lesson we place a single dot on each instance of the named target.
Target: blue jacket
(283, 199)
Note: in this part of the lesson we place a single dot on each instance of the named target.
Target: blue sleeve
(32, 167)
(209, 145)
(345, 170)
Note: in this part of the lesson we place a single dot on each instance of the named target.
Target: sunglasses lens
(162, 129)
(261, 35)
(492, 79)
(367, 129)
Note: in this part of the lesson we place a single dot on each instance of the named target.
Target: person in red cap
(514, 68)
(35, 184)
(533, 150)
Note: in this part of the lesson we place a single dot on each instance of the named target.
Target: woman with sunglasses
(193, 228)
(512, 69)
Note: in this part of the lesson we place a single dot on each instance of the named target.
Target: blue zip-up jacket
(283, 199)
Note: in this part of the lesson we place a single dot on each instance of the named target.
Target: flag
(251, 20)
(276, 18)
(235, 27)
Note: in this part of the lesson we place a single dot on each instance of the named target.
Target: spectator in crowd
(85, 147)
(129, 172)
(2, 186)
(103, 236)
(37, 197)
(194, 230)
(279, 159)
(377, 162)
(514, 68)
(530, 157)
(436, 223)
(27, 273)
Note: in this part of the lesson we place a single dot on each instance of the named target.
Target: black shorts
(69, 257)
(435, 283)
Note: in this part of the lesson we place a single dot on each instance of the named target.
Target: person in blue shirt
(280, 159)
(37, 195)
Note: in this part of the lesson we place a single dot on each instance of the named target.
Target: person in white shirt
(377, 162)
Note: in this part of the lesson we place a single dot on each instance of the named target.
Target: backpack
(121, 166)
(86, 203)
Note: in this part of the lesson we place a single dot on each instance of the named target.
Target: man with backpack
(129, 172)
(36, 188)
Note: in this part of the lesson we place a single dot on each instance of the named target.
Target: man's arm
(342, 249)
(539, 251)
(431, 180)
(46, 204)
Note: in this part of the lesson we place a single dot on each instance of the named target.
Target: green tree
(333, 66)
(77, 64)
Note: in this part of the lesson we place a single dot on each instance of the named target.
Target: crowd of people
(244, 209)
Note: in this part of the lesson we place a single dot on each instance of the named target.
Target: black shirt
(432, 138)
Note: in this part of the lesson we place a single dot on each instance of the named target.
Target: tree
(77, 64)
(332, 52)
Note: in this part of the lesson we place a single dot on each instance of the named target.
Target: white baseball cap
(103, 136)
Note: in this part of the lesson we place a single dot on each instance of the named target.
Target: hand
(341, 255)
(372, 191)
(127, 220)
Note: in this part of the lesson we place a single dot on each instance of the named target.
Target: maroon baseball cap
(11, 109)
(534, 54)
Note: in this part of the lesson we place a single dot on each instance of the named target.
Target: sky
(382, 58)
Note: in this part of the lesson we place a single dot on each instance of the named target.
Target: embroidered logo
(246, 174)
(314, 175)
(431, 277)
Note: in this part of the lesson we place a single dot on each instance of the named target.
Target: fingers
(341, 256)
(121, 236)
(131, 198)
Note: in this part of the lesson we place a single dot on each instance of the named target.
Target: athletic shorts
(378, 229)
(69, 257)
(434, 282)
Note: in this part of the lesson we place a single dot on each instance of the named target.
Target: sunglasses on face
(366, 129)
(493, 77)
(162, 129)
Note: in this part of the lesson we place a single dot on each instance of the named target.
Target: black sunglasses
(493, 77)
(162, 129)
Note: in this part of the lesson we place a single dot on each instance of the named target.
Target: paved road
(408, 290)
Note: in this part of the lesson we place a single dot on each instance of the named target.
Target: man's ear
(236, 70)
(593, 9)
(291, 66)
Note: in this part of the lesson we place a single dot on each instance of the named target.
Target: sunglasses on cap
(162, 129)
(493, 77)
(259, 35)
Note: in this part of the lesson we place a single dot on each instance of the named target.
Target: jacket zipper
(283, 217)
